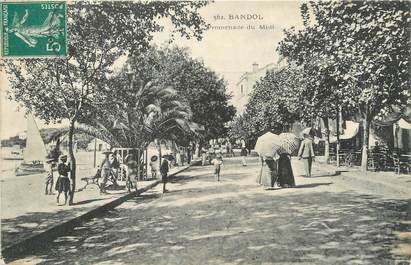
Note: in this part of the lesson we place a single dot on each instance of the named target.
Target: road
(235, 221)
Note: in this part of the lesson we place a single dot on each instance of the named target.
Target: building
(98, 144)
(244, 87)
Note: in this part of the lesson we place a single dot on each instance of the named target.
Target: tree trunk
(159, 151)
(337, 152)
(327, 141)
(72, 161)
(364, 158)
(200, 146)
(139, 177)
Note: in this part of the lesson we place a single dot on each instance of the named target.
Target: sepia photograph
(220, 132)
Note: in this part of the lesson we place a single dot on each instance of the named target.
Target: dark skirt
(164, 177)
(62, 184)
(285, 172)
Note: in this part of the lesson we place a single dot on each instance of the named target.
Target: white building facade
(244, 87)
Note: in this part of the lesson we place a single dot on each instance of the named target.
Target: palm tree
(137, 114)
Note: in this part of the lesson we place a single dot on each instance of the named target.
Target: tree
(273, 104)
(203, 89)
(136, 112)
(239, 128)
(67, 88)
(364, 47)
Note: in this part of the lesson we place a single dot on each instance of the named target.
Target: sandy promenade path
(201, 221)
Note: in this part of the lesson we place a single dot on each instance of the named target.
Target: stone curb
(376, 186)
(363, 179)
(41, 240)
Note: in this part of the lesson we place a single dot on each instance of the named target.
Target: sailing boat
(35, 153)
(16, 153)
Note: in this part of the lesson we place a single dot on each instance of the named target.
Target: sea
(84, 159)
(7, 167)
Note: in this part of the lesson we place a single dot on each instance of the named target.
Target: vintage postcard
(205, 132)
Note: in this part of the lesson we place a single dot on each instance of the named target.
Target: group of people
(107, 171)
(208, 153)
(132, 167)
(280, 172)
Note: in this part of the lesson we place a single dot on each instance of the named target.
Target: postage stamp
(33, 29)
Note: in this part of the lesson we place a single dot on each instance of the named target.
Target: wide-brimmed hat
(154, 158)
(63, 157)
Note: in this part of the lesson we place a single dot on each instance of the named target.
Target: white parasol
(269, 145)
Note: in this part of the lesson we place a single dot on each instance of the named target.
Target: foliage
(201, 88)
(274, 102)
(361, 49)
(204, 90)
(356, 54)
(136, 112)
(240, 127)
(68, 88)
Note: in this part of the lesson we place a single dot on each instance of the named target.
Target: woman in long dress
(269, 174)
(63, 182)
(285, 172)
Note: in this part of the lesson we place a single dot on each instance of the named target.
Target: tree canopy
(356, 56)
(100, 32)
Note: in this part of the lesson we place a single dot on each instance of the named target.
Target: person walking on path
(306, 152)
(203, 156)
(189, 153)
(178, 158)
(217, 162)
(243, 155)
(106, 170)
(229, 148)
(164, 168)
(132, 168)
(154, 166)
(268, 179)
(285, 171)
(211, 153)
(63, 181)
(50, 176)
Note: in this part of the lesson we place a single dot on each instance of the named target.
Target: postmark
(34, 29)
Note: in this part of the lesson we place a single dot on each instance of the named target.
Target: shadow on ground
(203, 222)
(16, 229)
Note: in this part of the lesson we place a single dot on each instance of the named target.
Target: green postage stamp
(33, 29)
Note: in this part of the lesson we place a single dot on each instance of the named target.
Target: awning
(403, 124)
(350, 132)
(395, 116)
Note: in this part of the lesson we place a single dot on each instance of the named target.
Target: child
(217, 162)
(50, 176)
(154, 166)
(164, 168)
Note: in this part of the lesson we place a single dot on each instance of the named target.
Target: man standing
(164, 171)
(306, 152)
(106, 170)
(132, 168)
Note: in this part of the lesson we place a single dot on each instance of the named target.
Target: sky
(229, 52)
